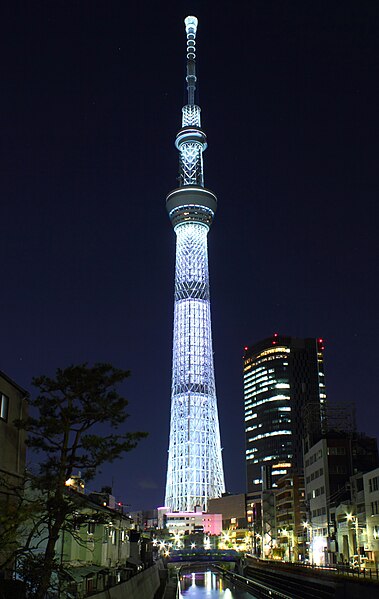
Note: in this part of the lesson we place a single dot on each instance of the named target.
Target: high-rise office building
(194, 472)
(283, 378)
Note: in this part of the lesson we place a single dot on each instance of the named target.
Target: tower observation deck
(194, 472)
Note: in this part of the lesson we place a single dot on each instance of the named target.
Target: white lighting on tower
(194, 472)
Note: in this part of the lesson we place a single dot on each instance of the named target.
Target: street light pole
(357, 540)
(354, 519)
(308, 526)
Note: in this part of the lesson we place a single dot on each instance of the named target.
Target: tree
(63, 426)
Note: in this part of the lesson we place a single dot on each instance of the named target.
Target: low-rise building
(13, 406)
(241, 521)
(189, 523)
(357, 520)
(328, 466)
(371, 495)
(290, 516)
(146, 520)
(96, 548)
(97, 554)
(232, 508)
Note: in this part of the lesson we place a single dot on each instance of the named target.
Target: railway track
(295, 587)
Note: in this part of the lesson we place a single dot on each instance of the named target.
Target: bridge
(207, 556)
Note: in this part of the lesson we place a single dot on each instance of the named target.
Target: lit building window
(4, 406)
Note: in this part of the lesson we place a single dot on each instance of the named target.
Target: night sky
(91, 97)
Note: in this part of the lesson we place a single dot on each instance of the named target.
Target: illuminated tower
(194, 472)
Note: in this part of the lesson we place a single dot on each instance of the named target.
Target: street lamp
(287, 534)
(207, 543)
(354, 519)
(177, 539)
(251, 527)
(308, 526)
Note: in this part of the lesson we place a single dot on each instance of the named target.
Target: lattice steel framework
(195, 472)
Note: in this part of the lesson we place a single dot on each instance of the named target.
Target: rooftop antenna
(191, 28)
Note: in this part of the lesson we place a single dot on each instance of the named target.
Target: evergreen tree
(63, 426)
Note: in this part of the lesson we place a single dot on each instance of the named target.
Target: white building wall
(316, 478)
(371, 491)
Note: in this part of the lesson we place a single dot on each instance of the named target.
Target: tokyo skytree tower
(194, 472)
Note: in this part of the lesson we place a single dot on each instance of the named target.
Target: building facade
(237, 524)
(371, 493)
(145, 520)
(194, 471)
(357, 522)
(13, 405)
(233, 510)
(331, 468)
(101, 542)
(96, 549)
(349, 521)
(290, 516)
(189, 523)
(282, 377)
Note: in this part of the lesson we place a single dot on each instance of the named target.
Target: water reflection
(209, 585)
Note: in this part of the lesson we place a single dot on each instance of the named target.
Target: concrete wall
(142, 586)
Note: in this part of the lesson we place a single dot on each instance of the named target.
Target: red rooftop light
(275, 334)
(245, 348)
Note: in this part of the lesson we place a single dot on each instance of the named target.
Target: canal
(209, 585)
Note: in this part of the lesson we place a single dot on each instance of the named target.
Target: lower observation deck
(192, 204)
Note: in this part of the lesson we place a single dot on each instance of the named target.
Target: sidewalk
(171, 588)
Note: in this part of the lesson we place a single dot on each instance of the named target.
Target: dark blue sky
(91, 97)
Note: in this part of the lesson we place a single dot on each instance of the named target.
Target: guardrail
(367, 573)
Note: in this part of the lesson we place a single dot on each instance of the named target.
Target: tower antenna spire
(191, 28)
